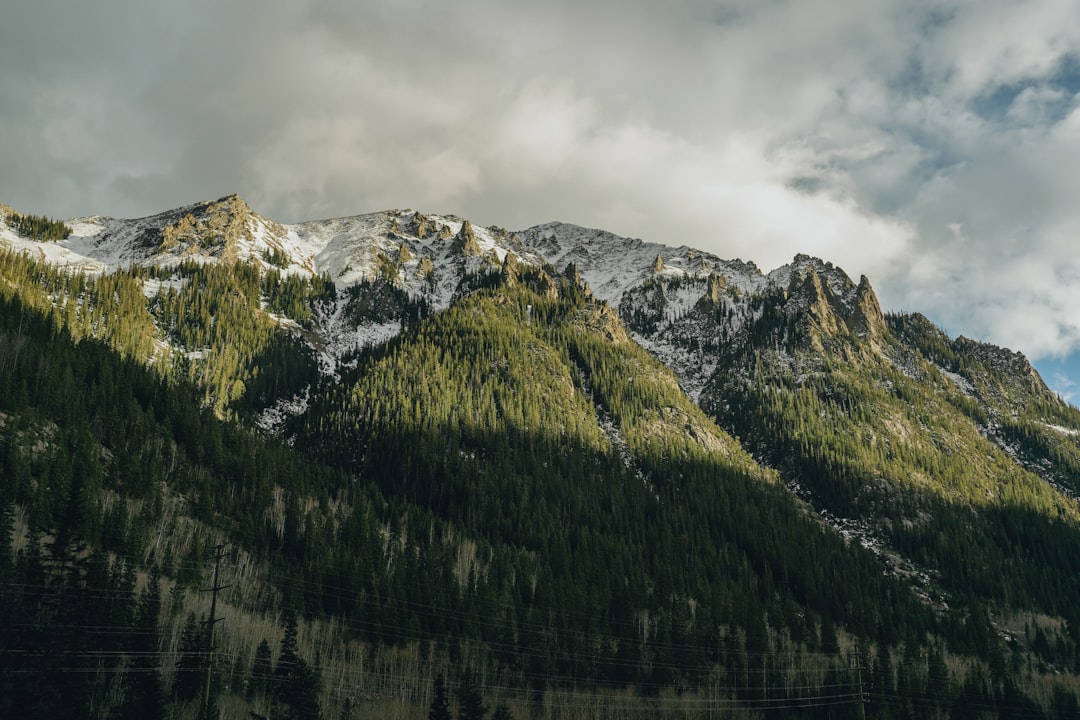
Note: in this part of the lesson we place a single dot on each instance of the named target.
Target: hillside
(586, 474)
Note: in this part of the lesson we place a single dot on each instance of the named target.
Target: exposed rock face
(867, 320)
(820, 323)
(510, 269)
(571, 273)
(542, 283)
(1013, 366)
(715, 289)
(215, 228)
(465, 240)
(404, 255)
(658, 264)
(830, 311)
(421, 226)
(603, 319)
(547, 286)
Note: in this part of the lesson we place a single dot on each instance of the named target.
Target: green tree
(261, 671)
(190, 666)
(440, 702)
(471, 704)
(296, 682)
(145, 697)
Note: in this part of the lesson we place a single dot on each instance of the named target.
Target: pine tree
(471, 704)
(190, 667)
(261, 671)
(145, 698)
(440, 703)
(296, 682)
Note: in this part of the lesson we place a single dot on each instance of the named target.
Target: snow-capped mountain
(655, 287)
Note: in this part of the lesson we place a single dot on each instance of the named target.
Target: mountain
(588, 474)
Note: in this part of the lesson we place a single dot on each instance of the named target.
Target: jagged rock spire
(216, 226)
(716, 286)
(572, 274)
(510, 269)
(867, 320)
(465, 240)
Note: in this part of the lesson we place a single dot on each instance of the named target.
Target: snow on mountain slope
(429, 256)
(683, 304)
(410, 246)
(203, 232)
(612, 264)
(423, 255)
(67, 253)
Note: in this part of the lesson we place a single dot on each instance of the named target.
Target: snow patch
(272, 419)
(152, 288)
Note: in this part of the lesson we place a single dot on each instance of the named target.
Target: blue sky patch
(1062, 375)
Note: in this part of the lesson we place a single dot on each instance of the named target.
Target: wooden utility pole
(219, 552)
(857, 659)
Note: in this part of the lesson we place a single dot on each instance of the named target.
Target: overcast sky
(932, 145)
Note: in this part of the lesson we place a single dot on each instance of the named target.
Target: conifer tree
(440, 703)
(296, 683)
(471, 704)
(261, 671)
(145, 698)
(190, 665)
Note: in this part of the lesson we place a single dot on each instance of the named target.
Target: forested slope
(514, 495)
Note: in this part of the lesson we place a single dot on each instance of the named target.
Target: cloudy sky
(932, 145)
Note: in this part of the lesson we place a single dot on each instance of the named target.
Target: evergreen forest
(512, 509)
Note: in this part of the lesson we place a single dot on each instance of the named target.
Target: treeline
(1036, 425)
(209, 324)
(241, 358)
(111, 308)
(38, 227)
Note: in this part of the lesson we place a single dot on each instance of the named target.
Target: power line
(493, 621)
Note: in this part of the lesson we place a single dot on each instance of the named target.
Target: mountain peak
(215, 227)
(867, 320)
(465, 240)
(1012, 366)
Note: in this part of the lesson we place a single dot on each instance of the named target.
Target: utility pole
(219, 552)
(858, 658)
